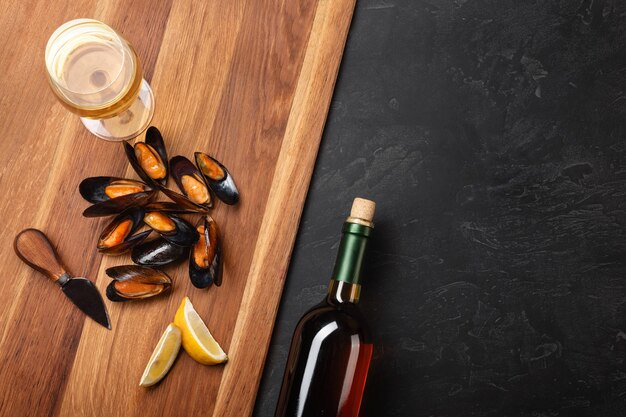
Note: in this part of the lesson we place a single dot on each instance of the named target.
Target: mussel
(217, 178)
(112, 195)
(205, 259)
(157, 252)
(190, 182)
(172, 228)
(149, 158)
(195, 195)
(133, 282)
(117, 237)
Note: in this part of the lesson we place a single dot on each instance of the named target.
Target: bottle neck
(343, 292)
(345, 283)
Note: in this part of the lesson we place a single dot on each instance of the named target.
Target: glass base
(128, 124)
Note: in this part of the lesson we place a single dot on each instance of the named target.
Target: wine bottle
(331, 347)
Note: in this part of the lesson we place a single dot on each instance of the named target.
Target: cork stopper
(363, 209)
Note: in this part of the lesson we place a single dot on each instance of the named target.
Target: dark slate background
(492, 135)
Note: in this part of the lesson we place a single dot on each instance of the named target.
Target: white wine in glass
(95, 73)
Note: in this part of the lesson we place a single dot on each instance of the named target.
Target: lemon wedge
(162, 357)
(197, 339)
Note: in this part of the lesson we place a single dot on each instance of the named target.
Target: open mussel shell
(118, 236)
(190, 182)
(149, 158)
(205, 258)
(217, 178)
(112, 195)
(157, 252)
(99, 189)
(133, 282)
(172, 228)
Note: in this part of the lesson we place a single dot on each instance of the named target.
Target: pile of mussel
(138, 214)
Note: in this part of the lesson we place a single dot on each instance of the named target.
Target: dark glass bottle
(331, 347)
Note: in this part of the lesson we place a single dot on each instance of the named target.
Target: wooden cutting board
(249, 81)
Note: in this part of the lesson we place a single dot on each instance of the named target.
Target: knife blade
(34, 248)
(86, 297)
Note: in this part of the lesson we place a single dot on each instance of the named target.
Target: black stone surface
(492, 135)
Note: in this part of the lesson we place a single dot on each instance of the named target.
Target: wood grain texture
(249, 82)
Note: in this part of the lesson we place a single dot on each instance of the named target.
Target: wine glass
(95, 73)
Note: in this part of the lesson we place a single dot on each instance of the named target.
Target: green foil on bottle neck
(351, 252)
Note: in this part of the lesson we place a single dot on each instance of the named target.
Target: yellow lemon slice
(197, 339)
(162, 357)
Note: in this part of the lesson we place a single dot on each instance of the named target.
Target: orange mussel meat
(195, 189)
(121, 188)
(209, 167)
(150, 161)
(117, 235)
(200, 252)
(138, 289)
(159, 221)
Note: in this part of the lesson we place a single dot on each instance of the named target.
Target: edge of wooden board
(291, 179)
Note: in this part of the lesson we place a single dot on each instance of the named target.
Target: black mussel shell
(133, 282)
(93, 189)
(157, 252)
(183, 234)
(183, 201)
(185, 173)
(208, 246)
(119, 204)
(218, 178)
(132, 219)
(155, 141)
(167, 207)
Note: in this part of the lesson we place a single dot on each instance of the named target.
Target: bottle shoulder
(344, 318)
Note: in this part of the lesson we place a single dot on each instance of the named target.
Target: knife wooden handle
(34, 248)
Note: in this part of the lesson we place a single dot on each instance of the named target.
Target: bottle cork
(363, 209)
